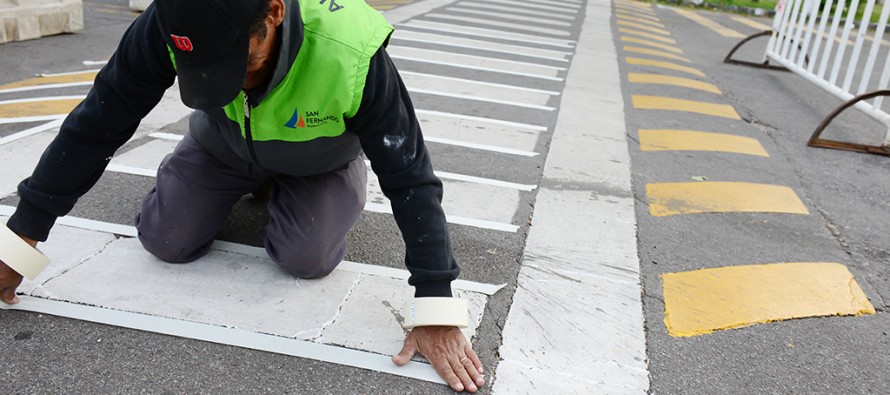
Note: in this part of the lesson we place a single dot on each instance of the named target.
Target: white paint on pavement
(19, 159)
(169, 110)
(500, 24)
(469, 43)
(524, 39)
(514, 10)
(513, 17)
(576, 323)
(475, 62)
(540, 7)
(55, 124)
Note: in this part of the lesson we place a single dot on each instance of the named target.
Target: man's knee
(307, 262)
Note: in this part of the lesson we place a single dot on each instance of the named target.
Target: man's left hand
(448, 350)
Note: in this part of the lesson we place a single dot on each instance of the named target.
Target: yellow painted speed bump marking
(38, 108)
(702, 301)
(672, 104)
(641, 78)
(665, 47)
(636, 6)
(689, 140)
(641, 26)
(55, 79)
(663, 65)
(750, 23)
(655, 52)
(721, 197)
(642, 21)
(650, 36)
(707, 23)
(632, 13)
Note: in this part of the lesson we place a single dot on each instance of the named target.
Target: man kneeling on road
(287, 93)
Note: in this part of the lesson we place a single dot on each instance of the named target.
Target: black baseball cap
(210, 42)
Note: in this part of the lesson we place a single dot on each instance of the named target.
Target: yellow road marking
(634, 14)
(721, 197)
(642, 26)
(689, 140)
(639, 20)
(642, 78)
(663, 65)
(702, 301)
(751, 23)
(647, 35)
(655, 52)
(651, 44)
(714, 26)
(636, 6)
(38, 108)
(672, 104)
(636, 10)
(56, 79)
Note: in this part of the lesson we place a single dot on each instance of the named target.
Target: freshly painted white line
(483, 147)
(386, 209)
(488, 33)
(579, 277)
(68, 73)
(19, 159)
(39, 99)
(32, 131)
(130, 170)
(506, 25)
(452, 64)
(574, 6)
(486, 181)
(227, 336)
(477, 98)
(481, 83)
(513, 10)
(528, 5)
(471, 59)
(467, 43)
(482, 119)
(166, 136)
(47, 86)
(477, 62)
(503, 15)
(33, 119)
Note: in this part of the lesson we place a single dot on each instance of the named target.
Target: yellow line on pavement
(663, 65)
(642, 26)
(655, 52)
(659, 79)
(702, 301)
(672, 104)
(634, 14)
(640, 20)
(654, 44)
(56, 79)
(721, 197)
(634, 5)
(38, 108)
(751, 23)
(714, 26)
(690, 140)
(650, 36)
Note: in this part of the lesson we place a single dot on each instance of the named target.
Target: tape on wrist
(19, 255)
(436, 311)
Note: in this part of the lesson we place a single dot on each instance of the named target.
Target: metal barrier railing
(811, 39)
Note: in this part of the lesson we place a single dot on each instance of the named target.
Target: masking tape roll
(434, 311)
(19, 255)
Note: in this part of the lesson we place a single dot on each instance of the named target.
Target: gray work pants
(195, 192)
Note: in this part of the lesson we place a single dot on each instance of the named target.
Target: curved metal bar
(816, 141)
(764, 65)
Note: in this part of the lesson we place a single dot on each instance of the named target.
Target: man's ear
(277, 12)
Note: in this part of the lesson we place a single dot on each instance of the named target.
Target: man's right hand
(10, 279)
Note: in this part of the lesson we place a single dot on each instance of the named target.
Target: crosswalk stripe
(664, 65)
(710, 24)
(643, 26)
(641, 78)
(52, 79)
(655, 52)
(513, 10)
(472, 61)
(512, 17)
(487, 33)
(666, 40)
(529, 5)
(499, 24)
(479, 89)
(690, 140)
(441, 39)
(673, 104)
(667, 199)
(702, 301)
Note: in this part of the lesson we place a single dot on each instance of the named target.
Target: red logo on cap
(183, 43)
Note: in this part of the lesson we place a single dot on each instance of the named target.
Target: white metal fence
(826, 44)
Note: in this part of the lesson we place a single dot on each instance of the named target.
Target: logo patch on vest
(309, 119)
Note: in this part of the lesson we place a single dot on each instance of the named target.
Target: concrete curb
(22, 20)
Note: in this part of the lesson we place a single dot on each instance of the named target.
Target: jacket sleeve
(391, 138)
(124, 91)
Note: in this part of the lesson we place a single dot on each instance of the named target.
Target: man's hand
(10, 279)
(448, 350)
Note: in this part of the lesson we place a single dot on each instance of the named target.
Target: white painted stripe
(482, 83)
(39, 99)
(46, 86)
(514, 10)
(465, 66)
(451, 41)
(486, 181)
(528, 5)
(94, 62)
(506, 25)
(477, 98)
(471, 61)
(481, 119)
(488, 33)
(483, 147)
(227, 336)
(32, 131)
(573, 6)
(83, 223)
(486, 135)
(166, 136)
(68, 73)
(363, 268)
(478, 223)
(130, 170)
(33, 119)
(502, 15)
(482, 59)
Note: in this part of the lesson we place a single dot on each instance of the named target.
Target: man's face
(260, 58)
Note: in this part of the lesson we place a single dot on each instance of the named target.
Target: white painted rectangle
(513, 17)
(500, 24)
(469, 43)
(494, 64)
(488, 33)
(478, 132)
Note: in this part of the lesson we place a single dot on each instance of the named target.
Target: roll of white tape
(436, 311)
(19, 255)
